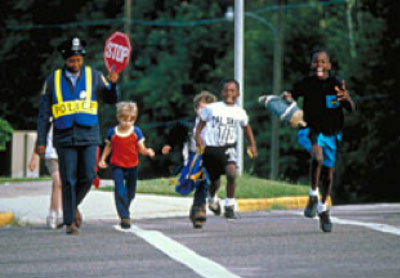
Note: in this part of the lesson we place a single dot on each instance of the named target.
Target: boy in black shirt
(324, 100)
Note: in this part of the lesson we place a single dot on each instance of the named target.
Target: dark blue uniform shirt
(76, 135)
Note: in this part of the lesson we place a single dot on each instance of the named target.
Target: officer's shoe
(78, 218)
(311, 208)
(125, 223)
(215, 207)
(72, 229)
(198, 216)
(325, 221)
(230, 212)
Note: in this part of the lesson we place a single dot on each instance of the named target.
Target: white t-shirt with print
(223, 123)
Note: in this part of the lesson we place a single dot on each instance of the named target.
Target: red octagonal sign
(117, 52)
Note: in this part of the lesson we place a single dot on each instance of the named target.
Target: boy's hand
(150, 152)
(103, 164)
(342, 94)
(252, 151)
(287, 96)
(166, 149)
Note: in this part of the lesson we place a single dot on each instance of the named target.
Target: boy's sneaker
(215, 207)
(325, 221)
(230, 212)
(125, 223)
(311, 208)
(198, 216)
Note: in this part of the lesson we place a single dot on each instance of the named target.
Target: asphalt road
(365, 242)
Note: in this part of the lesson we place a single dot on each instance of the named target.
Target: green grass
(15, 180)
(247, 187)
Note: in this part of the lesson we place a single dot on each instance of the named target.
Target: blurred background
(180, 48)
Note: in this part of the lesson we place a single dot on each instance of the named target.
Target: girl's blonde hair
(127, 109)
(204, 96)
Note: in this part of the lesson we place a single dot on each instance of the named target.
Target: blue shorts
(329, 144)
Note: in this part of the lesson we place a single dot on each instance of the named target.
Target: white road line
(384, 228)
(180, 253)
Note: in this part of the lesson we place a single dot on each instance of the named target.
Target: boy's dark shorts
(215, 160)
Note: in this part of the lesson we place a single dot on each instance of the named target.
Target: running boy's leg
(316, 167)
(230, 190)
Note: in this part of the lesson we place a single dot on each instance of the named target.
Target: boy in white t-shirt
(221, 122)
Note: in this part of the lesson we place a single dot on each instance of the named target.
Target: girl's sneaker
(51, 222)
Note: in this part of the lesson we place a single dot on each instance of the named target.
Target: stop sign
(117, 52)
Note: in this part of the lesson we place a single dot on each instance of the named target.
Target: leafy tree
(5, 133)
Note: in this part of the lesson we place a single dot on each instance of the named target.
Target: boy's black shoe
(125, 223)
(215, 207)
(311, 208)
(325, 221)
(230, 212)
(198, 216)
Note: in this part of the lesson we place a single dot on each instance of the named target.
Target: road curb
(6, 218)
(298, 202)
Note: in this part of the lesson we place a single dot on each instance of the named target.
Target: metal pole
(239, 66)
(277, 84)
(128, 12)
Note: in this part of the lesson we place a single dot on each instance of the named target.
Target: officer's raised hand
(113, 76)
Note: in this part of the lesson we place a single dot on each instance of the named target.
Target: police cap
(72, 46)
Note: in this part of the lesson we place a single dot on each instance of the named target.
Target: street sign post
(117, 52)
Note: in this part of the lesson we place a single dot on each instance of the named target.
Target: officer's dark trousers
(77, 172)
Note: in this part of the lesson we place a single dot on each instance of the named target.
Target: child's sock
(52, 214)
(229, 202)
(313, 192)
(321, 207)
(213, 200)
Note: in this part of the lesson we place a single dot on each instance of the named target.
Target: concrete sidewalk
(29, 203)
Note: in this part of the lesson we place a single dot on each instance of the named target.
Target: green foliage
(5, 133)
(170, 64)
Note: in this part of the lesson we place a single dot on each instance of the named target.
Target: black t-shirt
(322, 111)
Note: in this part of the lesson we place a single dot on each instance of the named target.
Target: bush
(5, 133)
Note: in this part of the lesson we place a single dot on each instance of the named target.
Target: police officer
(70, 97)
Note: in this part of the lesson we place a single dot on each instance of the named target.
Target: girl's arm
(33, 164)
(105, 154)
(199, 128)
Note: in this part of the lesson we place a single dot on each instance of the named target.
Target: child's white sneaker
(51, 222)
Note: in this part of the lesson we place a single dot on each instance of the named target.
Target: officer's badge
(44, 88)
(105, 82)
(82, 94)
(75, 43)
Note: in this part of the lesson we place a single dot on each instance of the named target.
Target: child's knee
(317, 155)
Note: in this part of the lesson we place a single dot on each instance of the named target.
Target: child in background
(55, 216)
(325, 97)
(125, 141)
(217, 134)
(198, 209)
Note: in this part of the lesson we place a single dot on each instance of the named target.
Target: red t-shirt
(125, 147)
